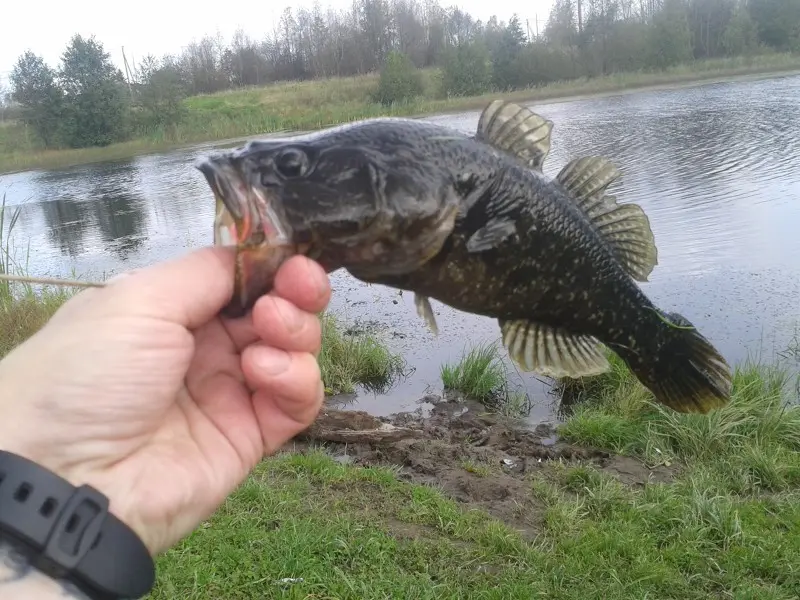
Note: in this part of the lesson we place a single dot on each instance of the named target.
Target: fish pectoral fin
(491, 235)
(625, 227)
(425, 311)
(552, 352)
(517, 131)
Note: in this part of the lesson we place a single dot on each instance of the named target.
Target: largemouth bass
(472, 222)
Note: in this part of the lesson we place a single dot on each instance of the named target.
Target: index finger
(189, 290)
(193, 289)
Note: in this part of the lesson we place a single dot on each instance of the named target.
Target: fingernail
(318, 276)
(271, 361)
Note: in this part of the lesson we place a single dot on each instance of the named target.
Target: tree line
(87, 101)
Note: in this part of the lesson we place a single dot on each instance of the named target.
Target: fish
(472, 222)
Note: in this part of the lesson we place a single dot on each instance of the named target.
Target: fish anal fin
(425, 311)
(491, 235)
(552, 352)
(625, 227)
(517, 131)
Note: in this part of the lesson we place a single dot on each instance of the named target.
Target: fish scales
(473, 222)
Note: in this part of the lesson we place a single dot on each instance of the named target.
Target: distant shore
(296, 107)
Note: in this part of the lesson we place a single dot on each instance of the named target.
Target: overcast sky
(165, 26)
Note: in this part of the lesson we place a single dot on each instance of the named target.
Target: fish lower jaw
(226, 231)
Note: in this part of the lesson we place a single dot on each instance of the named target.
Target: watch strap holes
(22, 493)
(48, 507)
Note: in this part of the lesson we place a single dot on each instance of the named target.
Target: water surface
(716, 167)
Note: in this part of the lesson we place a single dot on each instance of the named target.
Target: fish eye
(291, 162)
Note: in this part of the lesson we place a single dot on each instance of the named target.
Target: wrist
(54, 529)
(82, 473)
(18, 579)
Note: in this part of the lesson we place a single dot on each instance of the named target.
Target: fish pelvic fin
(424, 310)
(685, 373)
(517, 131)
(625, 227)
(552, 352)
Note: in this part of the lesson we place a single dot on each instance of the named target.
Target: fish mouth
(247, 219)
(245, 214)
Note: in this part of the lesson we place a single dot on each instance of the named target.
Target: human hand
(140, 390)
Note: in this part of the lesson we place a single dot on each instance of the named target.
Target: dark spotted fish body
(473, 223)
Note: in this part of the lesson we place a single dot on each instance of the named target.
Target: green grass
(752, 444)
(353, 532)
(351, 359)
(23, 309)
(314, 104)
(482, 376)
(26, 313)
(479, 374)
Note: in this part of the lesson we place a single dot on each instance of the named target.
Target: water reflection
(716, 167)
(67, 224)
(122, 222)
(99, 204)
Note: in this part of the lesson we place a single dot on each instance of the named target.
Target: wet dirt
(477, 458)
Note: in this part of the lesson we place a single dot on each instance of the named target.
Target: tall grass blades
(359, 359)
(482, 376)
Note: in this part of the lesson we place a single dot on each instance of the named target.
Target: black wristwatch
(68, 533)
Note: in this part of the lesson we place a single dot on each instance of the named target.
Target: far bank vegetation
(389, 56)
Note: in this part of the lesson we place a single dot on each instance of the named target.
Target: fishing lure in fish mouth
(244, 213)
(245, 218)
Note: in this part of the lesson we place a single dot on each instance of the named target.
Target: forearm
(20, 581)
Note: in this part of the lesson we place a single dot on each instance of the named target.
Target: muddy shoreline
(477, 458)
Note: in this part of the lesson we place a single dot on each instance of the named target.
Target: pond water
(716, 167)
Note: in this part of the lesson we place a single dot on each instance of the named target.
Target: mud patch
(477, 458)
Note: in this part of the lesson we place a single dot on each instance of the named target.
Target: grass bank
(725, 525)
(321, 103)
(23, 309)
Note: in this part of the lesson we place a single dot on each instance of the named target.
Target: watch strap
(67, 532)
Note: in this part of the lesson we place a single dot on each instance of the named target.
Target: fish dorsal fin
(624, 226)
(517, 131)
(552, 352)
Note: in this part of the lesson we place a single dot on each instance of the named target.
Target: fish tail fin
(684, 372)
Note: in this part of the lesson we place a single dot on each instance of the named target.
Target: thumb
(189, 290)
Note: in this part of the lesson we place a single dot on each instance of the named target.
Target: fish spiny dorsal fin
(552, 352)
(517, 131)
(624, 226)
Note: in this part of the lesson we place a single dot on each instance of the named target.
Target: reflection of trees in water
(117, 205)
(108, 207)
(121, 221)
(121, 203)
(179, 198)
(67, 224)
